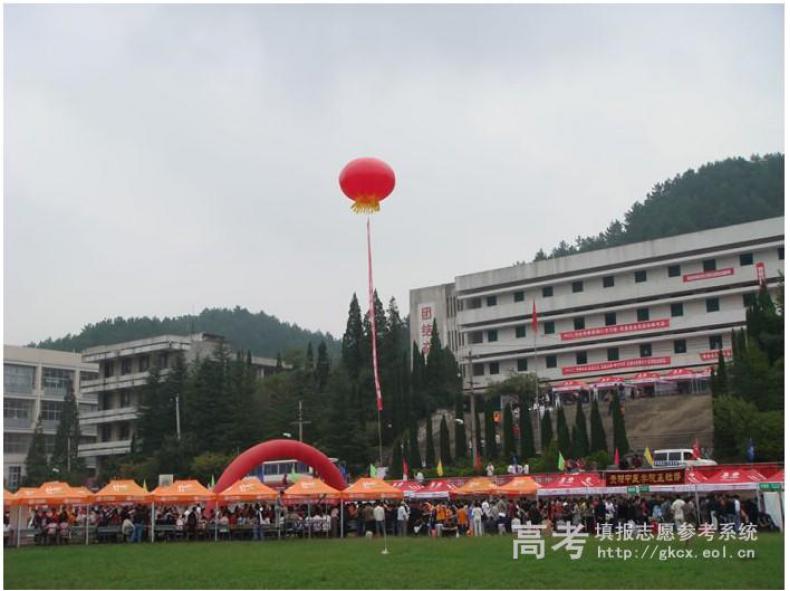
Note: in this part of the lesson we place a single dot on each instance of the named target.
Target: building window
(124, 432)
(640, 276)
(680, 346)
(780, 252)
(14, 443)
(548, 327)
(105, 432)
(493, 368)
(642, 314)
(646, 350)
(476, 338)
(144, 361)
(88, 376)
(551, 361)
(17, 410)
(714, 341)
(126, 399)
(746, 258)
(613, 354)
(521, 331)
(51, 411)
(475, 303)
(107, 369)
(126, 366)
(479, 369)
(712, 304)
(676, 309)
(709, 265)
(610, 318)
(493, 336)
(18, 378)
(14, 477)
(581, 357)
(56, 381)
(673, 271)
(748, 299)
(548, 291)
(577, 286)
(491, 301)
(608, 281)
(578, 323)
(518, 296)
(161, 360)
(521, 364)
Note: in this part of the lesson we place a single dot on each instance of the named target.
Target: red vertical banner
(760, 267)
(372, 313)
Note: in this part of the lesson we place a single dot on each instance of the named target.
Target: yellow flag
(439, 469)
(648, 456)
(145, 488)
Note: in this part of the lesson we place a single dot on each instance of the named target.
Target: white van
(670, 458)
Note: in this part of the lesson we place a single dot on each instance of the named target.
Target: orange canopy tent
(520, 486)
(53, 493)
(310, 490)
(8, 497)
(182, 492)
(368, 489)
(476, 487)
(122, 491)
(246, 490)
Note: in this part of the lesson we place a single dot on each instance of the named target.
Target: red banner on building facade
(708, 274)
(637, 362)
(615, 329)
(714, 355)
(760, 267)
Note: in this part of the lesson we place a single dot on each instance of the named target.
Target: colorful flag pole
(439, 469)
(405, 469)
(561, 463)
(648, 456)
(372, 313)
(616, 458)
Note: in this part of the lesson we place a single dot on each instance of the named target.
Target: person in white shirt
(419, 477)
(736, 503)
(379, 515)
(677, 512)
(477, 520)
(490, 470)
(526, 468)
(403, 519)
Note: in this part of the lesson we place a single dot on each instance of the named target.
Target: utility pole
(178, 418)
(301, 422)
(473, 409)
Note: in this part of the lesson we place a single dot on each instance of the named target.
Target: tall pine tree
(460, 428)
(67, 439)
(525, 428)
(37, 469)
(444, 443)
(508, 444)
(430, 452)
(546, 431)
(597, 433)
(563, 436)
(618, 427)
(581, 443)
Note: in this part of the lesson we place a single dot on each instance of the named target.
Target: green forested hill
(731, 191)
(260, 333)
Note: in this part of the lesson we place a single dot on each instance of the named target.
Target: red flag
(695, 452)
(478, 462)
(405, 469)
(534, 317)
(373, 337)
(616, 458)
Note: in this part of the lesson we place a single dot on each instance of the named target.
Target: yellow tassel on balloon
(365, 204)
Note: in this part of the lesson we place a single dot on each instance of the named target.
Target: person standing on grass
(477, 520)
(678, 512)
(379, 516)
(403, 519)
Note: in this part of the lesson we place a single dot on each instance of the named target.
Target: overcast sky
(160, 160)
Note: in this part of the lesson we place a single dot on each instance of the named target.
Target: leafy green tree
(415, 461)
(430, 452)
(396, 462)
(444, 443)
(344, 439)
(460, 429)
(37, 468)
(309, 358)
(508, 444)
(65, 458)
(563, 436)
(581, 443)
(546, 431)
(352, 346)
(526, 434)
(322, 367)
(597, 433)
(618, 427)
(478, 432)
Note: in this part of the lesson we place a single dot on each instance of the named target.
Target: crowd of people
(428, 518)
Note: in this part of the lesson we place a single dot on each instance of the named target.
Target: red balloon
(367, 181)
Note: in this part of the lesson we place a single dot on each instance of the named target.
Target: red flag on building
(616, 458)
(534, 317)
(405, 469)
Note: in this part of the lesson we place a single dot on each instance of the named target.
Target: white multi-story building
(35, 383)
(123, 370)
(653, 306)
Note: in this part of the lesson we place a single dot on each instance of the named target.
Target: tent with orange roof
(8, 498)
(53, 493)
(476, 487)
(371, 489)
(520, 486)
(182, 492)
(122, 491)
(247, 490)
(310, 490)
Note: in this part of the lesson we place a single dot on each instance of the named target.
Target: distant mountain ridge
(718, 194)
(259, 333)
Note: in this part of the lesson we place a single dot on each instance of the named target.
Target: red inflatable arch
(281, 449)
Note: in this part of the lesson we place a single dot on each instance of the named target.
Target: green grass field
(413, 563)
